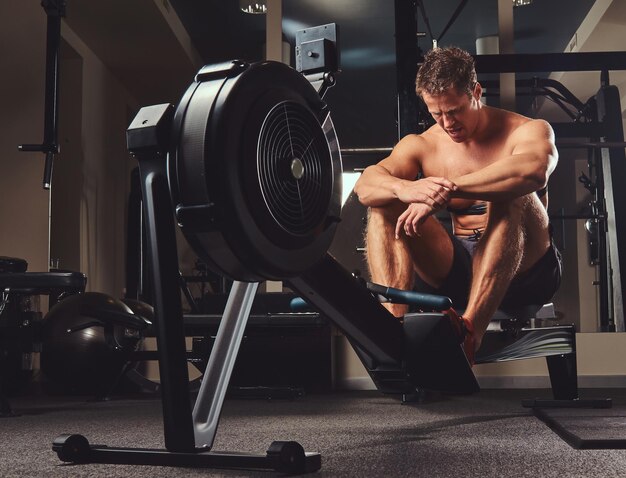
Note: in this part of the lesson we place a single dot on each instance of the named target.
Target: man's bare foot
(464, 328)
(469, 341)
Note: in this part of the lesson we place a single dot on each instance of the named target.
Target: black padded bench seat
(34, 283)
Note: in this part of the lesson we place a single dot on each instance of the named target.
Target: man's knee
(511, 211)
(525, 213)
(505, 228)
(520, 224)
(386, 215)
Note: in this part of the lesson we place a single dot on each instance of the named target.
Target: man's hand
(412, 218)
(425, 197)
(432, 191)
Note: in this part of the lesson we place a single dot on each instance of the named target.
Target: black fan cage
(294, 166)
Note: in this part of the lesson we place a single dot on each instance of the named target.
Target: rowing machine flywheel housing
(255, 170)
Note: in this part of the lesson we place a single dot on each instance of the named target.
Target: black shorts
(536, 286)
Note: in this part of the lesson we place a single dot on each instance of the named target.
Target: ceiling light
(256, 7)
(521, 3)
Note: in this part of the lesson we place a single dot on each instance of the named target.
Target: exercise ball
(140, 309)
(87, 340)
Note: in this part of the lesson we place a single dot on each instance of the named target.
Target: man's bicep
(538, 147)
(537, 138)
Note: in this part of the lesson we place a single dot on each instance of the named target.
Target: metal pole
(55, 10)
(407, 55)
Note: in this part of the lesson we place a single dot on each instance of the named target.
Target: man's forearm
(506, 179)
(376, 187)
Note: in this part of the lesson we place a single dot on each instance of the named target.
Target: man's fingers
(405, 222)
(400, 223)
(411, 219)
(413, 222)
(446, 183)
(438, 196)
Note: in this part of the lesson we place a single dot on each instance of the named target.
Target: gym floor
(362, 433)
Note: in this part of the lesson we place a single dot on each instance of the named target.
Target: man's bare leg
(515, 238)
(394, 262)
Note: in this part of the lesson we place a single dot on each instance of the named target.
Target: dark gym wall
(67, 187)
(100, 137)
(363, 103)
(114, 62)
(104, 175)
(132, 57)
(24, 205)
(96, 168)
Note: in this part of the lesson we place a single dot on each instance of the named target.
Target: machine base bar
(286, 457)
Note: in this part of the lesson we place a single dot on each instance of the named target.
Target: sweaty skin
(473, 154)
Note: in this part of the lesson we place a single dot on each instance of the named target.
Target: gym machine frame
(188, 437)
(387, 347)
(606, 135)
(379, 337)
(16, 284)
(424, 351)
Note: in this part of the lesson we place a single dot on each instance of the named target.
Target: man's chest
(458, 160)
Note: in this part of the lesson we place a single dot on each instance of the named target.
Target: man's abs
(469, 218)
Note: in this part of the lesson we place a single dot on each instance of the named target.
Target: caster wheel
(72, 448)
(287, 456)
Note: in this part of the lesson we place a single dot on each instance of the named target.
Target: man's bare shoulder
(405, 160)
(411, 145)
(515, 121)
(412, 141)
(422, 144)
(525, 129)
(433, 135)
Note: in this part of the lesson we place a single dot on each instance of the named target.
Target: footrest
(434, 357)
(526, 343)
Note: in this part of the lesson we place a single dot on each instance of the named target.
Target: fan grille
(294, 167)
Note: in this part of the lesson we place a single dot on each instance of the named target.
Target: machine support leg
(161, 242)
(206, 413)
(563, 376)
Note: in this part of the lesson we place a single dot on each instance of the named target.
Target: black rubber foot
(287, 456)
(72, 448)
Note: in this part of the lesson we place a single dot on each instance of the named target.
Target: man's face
(455, 112)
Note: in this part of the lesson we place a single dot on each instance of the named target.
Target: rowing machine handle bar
(411, 297)
(418, 299)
